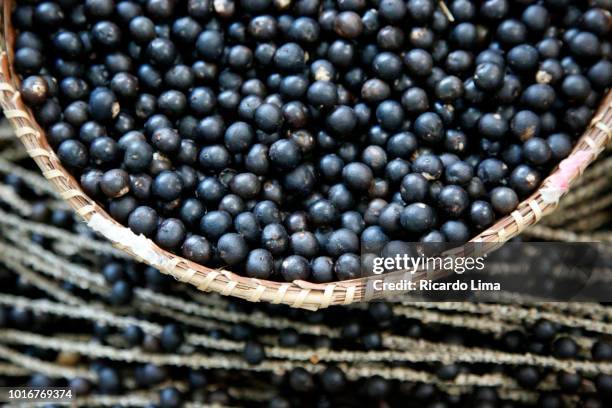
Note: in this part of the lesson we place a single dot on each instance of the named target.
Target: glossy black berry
(166, 140)
(429, 127)
(576, 87)
(274, 238)
(268, 117)
(419, 62)
(491, 171)
(121, 293)
(28, 61)
(524, 179)
(348, 24)
(115, 183)
(109, 379)
(289, 57)
(215, 223)
(259, 264)
(343, 120)
(285, 154)
(429, 166)
(143, 220)
(389, 218)
(167, 186)
(170, 234)
(322, 269)
(539, 97)
(455, 231)
(415, 100)
(481, 214)
(528, 377)
(232, 248)
(414, 188)
(295, 267)
(525, 125)
(73, 153)
(536, 151)
(493, 126)
(357, 176)
(449, 89)
(347, 266)
(523, 58)
(453, 200)
(161, 52)
(214, 158)
(569, 382)
(342, 241)
(142, 29)
(106, 34)
(387, 66)
(601, 351)
(417, 218)
(560, 145)
(585, 45)
(197, 249)
(504, 200)
(392, 10)
(458, 173)
(34, 90)
(170, 397)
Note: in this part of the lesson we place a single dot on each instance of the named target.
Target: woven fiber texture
(585, 213)
(299, 294)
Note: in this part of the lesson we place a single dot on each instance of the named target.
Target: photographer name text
(430, 285)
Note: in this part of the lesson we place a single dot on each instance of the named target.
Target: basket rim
(299, 294)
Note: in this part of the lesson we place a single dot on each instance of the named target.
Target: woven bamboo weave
(298, 294)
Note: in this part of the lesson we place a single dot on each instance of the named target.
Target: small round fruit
(103, 105)
(481, 214)
(489, 76)
(504, 200)
(259, 264)
(34, 90)
(348, 266)
(536, 151)
(322, 269)
(418, 218)
(167, 185)
(73, 154)
(232, 248)
(454, 200)
(197, 249)
(170, 234)
(115, 183)
(295, 267)
(357, 176)
(143, 220)
(342, 241)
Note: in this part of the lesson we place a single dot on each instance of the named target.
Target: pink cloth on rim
(567, 168)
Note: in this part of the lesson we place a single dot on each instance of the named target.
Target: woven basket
(299, 294)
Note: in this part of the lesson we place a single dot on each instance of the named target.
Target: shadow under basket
(300, 294)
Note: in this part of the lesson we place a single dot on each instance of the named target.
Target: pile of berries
(280, 138)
